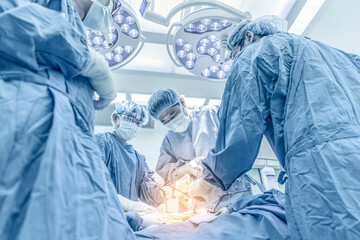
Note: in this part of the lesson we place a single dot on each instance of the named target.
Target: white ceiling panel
(305, 16)
(259, 8)
(194, 102)
(154, 58)
(119, 97)
(214, 102)
(141, 99)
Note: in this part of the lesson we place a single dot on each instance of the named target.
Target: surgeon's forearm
(125, 203)
(165, 169)
(129, 205)
(209, 176)
(100, 78)
(222, 168)
(99, 74)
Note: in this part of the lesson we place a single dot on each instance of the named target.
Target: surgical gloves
(100, 78)
(133, 206)
(192, 168)
(200, 187)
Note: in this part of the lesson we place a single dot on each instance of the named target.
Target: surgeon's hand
(100, 78)
(134, 206)
(197, 160)
(199, 187)
(103, 101)
(193, 168)
(222, 210)
(141, 207)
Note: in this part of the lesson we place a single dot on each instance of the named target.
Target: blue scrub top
(304, 97)
(128, 170)
(53, 184)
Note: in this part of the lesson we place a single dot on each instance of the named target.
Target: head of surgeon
(168, 107)
(127, 119)
(249, 31)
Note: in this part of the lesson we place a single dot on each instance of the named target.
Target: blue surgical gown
(53, 184)
(128, 170)
(304, 97)
(196, 141)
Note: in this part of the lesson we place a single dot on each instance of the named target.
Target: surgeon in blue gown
(304, 97)
(192, 133)
(128, 169)
(53, 184)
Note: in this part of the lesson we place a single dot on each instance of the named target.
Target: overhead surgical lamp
(122, 42)
(198, 42)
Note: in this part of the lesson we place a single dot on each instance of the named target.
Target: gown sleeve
(206, 130)
(102, 144)
(167, 163)
(150, 191)
(48, 40)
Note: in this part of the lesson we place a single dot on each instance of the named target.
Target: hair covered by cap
(266, 25)
(161, 100)
(130, 108)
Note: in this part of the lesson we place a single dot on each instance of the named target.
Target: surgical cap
(263, 26)
(161, 100)
(129, 108)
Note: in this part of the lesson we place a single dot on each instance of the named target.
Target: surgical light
(198, 42)
(122, 41)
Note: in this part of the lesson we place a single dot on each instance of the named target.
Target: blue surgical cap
(130, 108)
(263, 26)
(161, 100)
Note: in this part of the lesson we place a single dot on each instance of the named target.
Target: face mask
(127, 130)
(179, 124)
(98, 17)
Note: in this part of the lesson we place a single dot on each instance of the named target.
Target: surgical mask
(237, 49)
(179, 124)
(127, 130)
(98, 17)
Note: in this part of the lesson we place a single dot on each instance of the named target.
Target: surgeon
(304, 97)
(53, 184)
(128, 169)
(192, 133)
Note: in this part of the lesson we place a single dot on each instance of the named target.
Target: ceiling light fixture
(122, 41)
(198, 42)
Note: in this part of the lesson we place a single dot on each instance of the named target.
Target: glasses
(132, 120)
(170, 114)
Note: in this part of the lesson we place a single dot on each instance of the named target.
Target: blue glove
(134, 220)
